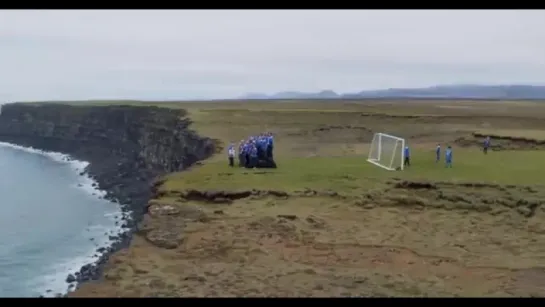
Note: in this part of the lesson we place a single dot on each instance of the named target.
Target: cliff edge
(127, 148)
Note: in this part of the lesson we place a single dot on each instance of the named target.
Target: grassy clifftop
(327, 223)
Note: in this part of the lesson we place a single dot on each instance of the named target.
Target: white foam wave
(55, 282)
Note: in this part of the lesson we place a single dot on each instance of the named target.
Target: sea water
(52, 221)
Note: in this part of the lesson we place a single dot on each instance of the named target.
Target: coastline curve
(121, 150)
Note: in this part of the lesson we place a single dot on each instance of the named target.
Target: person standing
(407, 155)
(241, 161)
(486, 144)
(262, 147)
(231, 155)
(247, 147)
(438, 153)
(448, 157)
(253, 155)
(270, 146)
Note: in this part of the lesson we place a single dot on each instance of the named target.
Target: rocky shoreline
(127, 147)
(128, 225)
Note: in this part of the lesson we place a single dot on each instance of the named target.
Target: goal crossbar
(377, 161)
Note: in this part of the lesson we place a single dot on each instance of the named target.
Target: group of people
(448, 153)
(254, 152)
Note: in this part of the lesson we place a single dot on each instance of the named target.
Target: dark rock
(415, 185)
(525, 211)
(164, 239)
(70, 278)
(159, 209)
(278, 193)
(287, 216)
(316, 222)
(213, 194)
(240, 194)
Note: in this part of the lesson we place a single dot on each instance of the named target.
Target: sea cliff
(127, 147)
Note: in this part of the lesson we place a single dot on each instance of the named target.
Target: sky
(209, 54)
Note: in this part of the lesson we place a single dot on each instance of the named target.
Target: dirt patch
(500, 142)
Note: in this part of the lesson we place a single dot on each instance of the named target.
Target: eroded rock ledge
(227, 197)
(468, 196)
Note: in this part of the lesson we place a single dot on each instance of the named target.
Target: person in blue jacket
(247, 148)
(407, 154)
(486, 145)
(241, 161)
(448, 157)
(255, 151)
(253, 155)
(261, 147)
(270, 145)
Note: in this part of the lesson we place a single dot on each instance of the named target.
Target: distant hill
(440, 92)
(328, 94)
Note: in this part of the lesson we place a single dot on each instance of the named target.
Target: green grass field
(354, 174)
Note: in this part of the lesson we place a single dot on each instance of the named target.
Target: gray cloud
(218, 54)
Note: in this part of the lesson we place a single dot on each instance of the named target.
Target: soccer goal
(387, 151)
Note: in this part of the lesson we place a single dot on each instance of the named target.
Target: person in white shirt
(231, 154)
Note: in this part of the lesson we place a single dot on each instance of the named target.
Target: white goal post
(387, 151)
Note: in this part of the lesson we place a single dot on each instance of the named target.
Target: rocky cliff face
(127, 146)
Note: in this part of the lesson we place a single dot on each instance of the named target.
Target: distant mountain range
(437, 92)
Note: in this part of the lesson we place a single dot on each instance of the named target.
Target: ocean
(52, 221)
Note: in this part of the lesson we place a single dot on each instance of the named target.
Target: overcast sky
(48, 55)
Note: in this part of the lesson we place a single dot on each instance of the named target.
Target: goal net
(387, 151)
